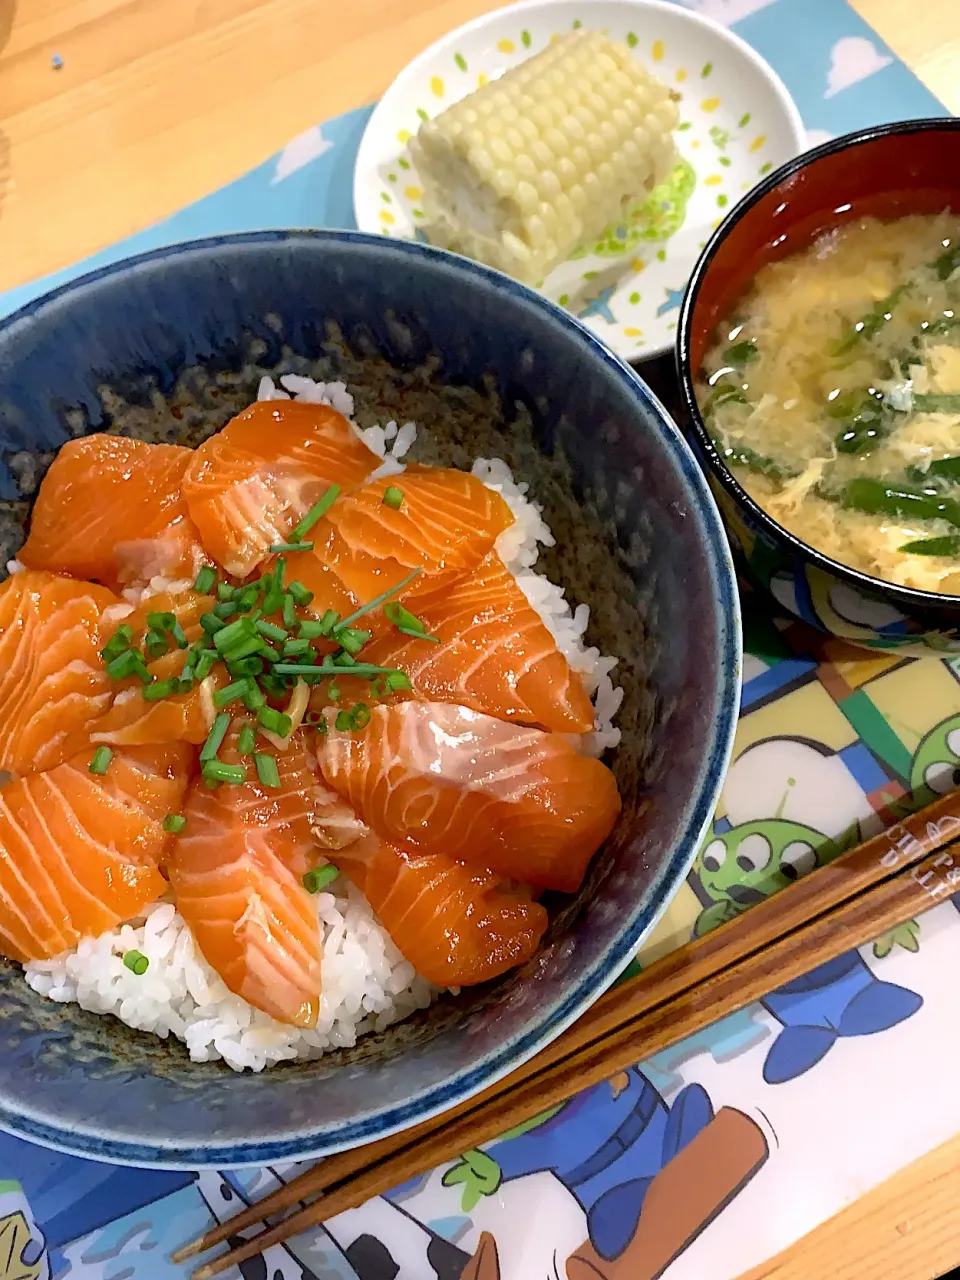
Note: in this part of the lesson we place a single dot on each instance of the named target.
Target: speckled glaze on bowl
(167, 347)
(885, 172)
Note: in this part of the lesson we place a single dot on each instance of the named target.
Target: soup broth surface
(833, 393)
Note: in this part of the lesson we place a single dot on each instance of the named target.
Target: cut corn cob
(521, 172)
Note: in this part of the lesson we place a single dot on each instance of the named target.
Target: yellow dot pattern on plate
(680, 76)
(506, 46)
(403, 135)
(436, 87)
(713, 181)
(757, 143)
(656, 51)
(387, 217)
(633, 333)
(709, 104)
(481, 80)
(637, 264)
(695, 143)
(412, 193)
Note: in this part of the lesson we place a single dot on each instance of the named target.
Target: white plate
(737, 123)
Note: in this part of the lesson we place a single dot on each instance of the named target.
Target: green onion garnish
(319, 878)
(226, 592)
(392, 497)
(205, 663)
(211, 623)
(277, 722)
(215, 738)
(310, 629)
(179, 637)
(232, 692)
(329, 621)
(275, 685)
(129, 663)
(174, 823)
(267, 770)
(161, 689)
(279, 573)
(225, 610)
(351, 638)
(251, 666)
(273, 602)
(156, 644)
(289, 612)
(136, 962)
(333, 692)
(161, 621)
(301, 596)
(268, 651)
(101, 760)
(361, 715)
(247, 740)
(394, 681)
(234, 635)
(292, 546)
(419, 635)
(344, 659)
(327, 668)
(206, 580)
(316, 720)
(378, 600)
(270, 630)
(117, 644)
(401, 617)
(248, 597)
(217, 771)
(293, 648)
(255, 698)
(318, 510)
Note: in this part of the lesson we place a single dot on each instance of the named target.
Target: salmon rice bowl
(296, 736)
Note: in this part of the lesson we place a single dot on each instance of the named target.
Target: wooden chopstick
(675, 996)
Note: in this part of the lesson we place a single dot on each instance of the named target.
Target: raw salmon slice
(132, 721)
(249, 913)
(79, 852)
(249, 485)
(100, 491)
(186, 606)
(494, 656)
(52, 681)
(438, 778)
(457, 925)
(446, 524)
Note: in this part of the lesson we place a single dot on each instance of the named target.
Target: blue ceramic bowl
(168, 346)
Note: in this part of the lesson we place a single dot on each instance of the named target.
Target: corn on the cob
(522, 171)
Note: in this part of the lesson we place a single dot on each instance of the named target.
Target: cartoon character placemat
(717, 1154)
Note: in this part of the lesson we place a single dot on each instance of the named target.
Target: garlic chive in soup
(833, 394)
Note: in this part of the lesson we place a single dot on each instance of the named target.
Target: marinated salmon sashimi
(495, 655)
(439, 778)
(79, 852)
(455, 924)
(187, 607)
(135, 720)
(101, 493)
(249, 913)
(446, 523)
(52, 680)
(248, 485)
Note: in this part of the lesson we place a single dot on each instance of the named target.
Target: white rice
(367, 985)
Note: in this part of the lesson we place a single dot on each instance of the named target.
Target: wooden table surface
(160, 101)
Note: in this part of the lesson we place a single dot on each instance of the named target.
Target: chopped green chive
(267, 770)
(277, 722)
(378, 600)
(294, 648)
(289, 612)
(215, 738)
(292, 546)
(136, 962)
(327, 668)
(270, 630)
(301, 596)
(226, 592)
(174, 823)
(161, 621)
(268, 651)
(233, 636)
(333, 692)
(248, 597)
(351, 638)
(179, 637)
(156, 644)
(358, 717)
(316, 720)
(205, 663)
(319, 878)
(344, 659)
(101, 760)
(419, 635)
(392, 497)
(329, 621)
(117, 644)
(233, 692)
(206, 580)
(255, 698)
(279, 573)
(211, 623)
(401, 617)
(216, 771)
(247, 740)
(273, 602)
(250, 666)
(161, 689)
(129, 663)
(394, 681)
(225, 610)
(310, 629)
(316, 512)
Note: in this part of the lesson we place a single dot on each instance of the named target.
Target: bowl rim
(724, 35)
(912, 598)
(162, 1151)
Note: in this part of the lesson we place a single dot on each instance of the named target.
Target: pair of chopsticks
(881, 883)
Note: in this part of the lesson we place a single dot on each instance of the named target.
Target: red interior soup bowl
(912, 167)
